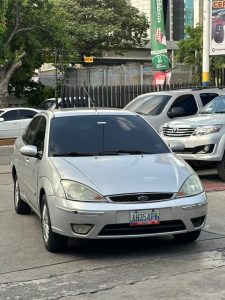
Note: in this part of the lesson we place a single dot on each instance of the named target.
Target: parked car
(47, 104)
(160, 107)
(13, 121)
(202, 136)
(98, 173)
(50, 103)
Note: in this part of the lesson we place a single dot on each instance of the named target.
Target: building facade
(177, 15)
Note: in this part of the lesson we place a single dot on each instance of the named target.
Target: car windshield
(46, 104)
(148, 104)
(216, 106)
(103, 135)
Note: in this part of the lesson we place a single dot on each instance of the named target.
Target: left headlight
(207, 129)
(192, 186)
(79, 192)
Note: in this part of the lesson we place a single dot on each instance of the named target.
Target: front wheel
(20, 206)
(54, 242)
(187, 236)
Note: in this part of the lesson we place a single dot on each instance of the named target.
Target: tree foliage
(31, 30)
(190, 50)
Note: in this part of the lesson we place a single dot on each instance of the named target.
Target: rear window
(109, 135)
(47, 104)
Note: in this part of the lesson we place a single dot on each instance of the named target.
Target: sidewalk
(5, 169)
(6, 142)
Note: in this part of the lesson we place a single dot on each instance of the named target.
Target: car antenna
(89, 99)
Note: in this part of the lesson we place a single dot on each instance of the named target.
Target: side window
(10, 115)
(28, 135)
(187, 103)
(39, 136)
(207, 97)
(26, 114)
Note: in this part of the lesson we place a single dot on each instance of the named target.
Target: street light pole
(206, 37)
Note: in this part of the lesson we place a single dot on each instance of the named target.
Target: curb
(7, 142)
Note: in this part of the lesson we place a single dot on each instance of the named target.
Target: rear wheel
(188, 236)
(54, 242)
(221, 168)
(21, 207)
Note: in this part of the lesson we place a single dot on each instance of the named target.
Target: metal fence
(109, 96)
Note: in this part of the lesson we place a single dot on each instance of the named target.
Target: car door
(25, 116)
(33, 163)
(23, 161)
(9, 124)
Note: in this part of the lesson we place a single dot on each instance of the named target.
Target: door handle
(27, 160)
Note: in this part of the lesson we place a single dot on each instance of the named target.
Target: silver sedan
(100, 173)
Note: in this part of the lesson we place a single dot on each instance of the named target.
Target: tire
(188, 236)
(221, 168)
(20, 206)
(53, 242)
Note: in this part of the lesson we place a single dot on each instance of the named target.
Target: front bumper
(194, 147)
(111, 220)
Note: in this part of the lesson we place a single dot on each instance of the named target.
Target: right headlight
(80, 192)
(191, 187)
(207, 129)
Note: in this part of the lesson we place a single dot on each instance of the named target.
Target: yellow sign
(88, 59)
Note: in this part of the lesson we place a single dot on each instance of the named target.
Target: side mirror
(2, 119)
(29, 150)
(176, 112)
(176, 146)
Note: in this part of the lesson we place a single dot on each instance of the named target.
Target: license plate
(144, 217)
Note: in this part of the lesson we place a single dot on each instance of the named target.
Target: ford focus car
(100, 173)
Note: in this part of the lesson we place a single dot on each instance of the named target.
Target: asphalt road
(158, 268)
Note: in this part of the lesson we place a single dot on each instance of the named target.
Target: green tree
(190, 50)
(76, 27)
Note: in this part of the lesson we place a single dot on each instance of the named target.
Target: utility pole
(206, 37)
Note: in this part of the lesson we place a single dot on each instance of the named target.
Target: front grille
(126, 229)
(177, 131)
(145, 197)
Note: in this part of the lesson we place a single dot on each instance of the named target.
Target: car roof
(185, 91)
(16, 108)
(86, 111)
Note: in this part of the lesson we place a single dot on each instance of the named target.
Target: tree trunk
(5, 79)
(3, 93)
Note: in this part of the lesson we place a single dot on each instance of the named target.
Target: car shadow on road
(153, 245)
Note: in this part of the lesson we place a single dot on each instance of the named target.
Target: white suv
(202, 136)
(160, 107)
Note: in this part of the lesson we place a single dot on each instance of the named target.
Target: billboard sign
(217, 25)
(160, 61)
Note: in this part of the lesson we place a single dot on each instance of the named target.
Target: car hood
(199, 120)
(126, 173)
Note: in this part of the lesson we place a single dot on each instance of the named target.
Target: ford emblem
(143, 198)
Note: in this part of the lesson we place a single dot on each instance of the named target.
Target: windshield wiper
(220, 112)
(74, 154)
(121, 151)
(141, 113)
(205, 112)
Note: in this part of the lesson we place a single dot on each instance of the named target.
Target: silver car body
(184, 131)
(14, 127)
(111, 176)
(199, 97)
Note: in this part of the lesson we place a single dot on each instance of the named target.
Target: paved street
(158, 268)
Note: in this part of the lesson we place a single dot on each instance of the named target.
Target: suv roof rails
(207, 87)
